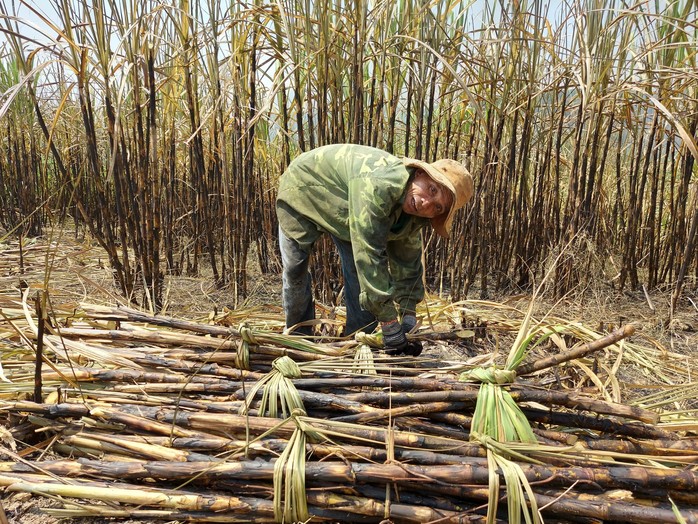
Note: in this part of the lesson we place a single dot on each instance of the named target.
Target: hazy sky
(46, 6)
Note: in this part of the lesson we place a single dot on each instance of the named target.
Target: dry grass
(79, 274)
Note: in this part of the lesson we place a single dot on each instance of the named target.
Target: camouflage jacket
(355, 193)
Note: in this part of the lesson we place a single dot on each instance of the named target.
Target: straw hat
(454, 177)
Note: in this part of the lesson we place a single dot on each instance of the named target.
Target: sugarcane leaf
(518, 353)
(493, 488)
(675, 510)
(513, 488)
(595, 379)
(253, 393)
(278, 479)
(532, 516)
(518, 490)
(521, 427)
(290, 501)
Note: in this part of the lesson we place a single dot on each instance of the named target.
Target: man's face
(425, 198)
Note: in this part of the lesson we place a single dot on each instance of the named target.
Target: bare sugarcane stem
(577, 352)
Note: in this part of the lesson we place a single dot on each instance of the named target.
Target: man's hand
(396, 342)
(412, 349)
(393, 335)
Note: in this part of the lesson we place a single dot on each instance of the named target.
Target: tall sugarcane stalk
(559, 130)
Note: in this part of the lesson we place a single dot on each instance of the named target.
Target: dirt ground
(80, 273)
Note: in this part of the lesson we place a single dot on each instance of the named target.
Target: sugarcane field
(348, 262)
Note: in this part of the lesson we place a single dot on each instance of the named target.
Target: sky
(47, 7)
(25, 13)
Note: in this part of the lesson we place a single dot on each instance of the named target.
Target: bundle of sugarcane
(243, 424)
(300, 466)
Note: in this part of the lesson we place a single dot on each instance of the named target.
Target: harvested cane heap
(148, 417)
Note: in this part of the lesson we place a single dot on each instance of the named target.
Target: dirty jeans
(297, 291)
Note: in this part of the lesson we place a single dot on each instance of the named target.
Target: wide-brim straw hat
(454, 177)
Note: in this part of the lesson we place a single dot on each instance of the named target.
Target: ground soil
(80, 274)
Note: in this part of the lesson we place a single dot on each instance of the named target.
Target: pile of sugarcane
(129, 415)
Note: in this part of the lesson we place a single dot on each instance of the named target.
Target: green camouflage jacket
(356, 193)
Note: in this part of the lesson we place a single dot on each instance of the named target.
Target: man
(373, 205)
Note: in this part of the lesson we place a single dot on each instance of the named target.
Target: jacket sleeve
(407, 272)
(370, 209)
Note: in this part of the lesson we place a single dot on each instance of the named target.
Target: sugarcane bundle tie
(287, 367)
(278, 389)
(497, 419)
(242, 359)
(496, 413)
(517, 485)
(491, 375)
(247, 334)
(370, 340)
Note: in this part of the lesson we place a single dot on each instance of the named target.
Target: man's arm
(405, 258)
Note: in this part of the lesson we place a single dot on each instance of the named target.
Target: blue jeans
(297, 292)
